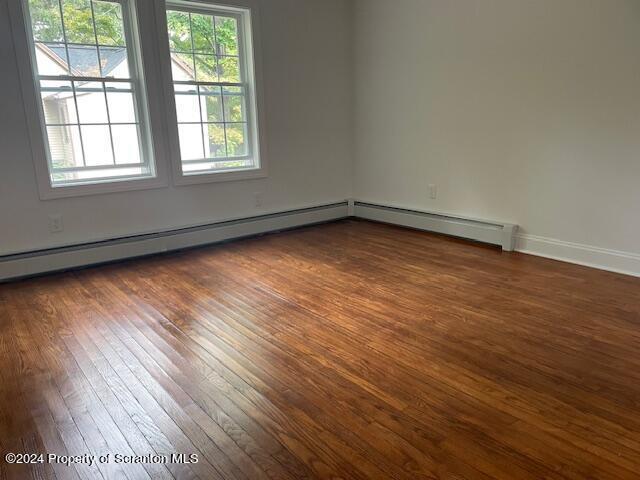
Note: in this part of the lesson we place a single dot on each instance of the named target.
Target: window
(91, 93)
(97, 125)
(213, 84)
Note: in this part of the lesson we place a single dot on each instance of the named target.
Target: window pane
(179, 31)
(202, 31)
(120, 102)
(182, 67)
(64, 146)
(229, 69)
(206, 69)
(236, 139)
(78, 21)
(190, 141)
(114, 62)
(92, 106)
(214, 140)
(51, 59)
(234, 109)
(57, 102)
(187, 107)
(109, 24)
(211, 104)
(46, 23)
(227, 36)
(125, 144)
(97, 144)
(83, 61)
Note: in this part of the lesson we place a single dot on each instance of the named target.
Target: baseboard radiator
(28, 264)
(57, 259)
(501, 234)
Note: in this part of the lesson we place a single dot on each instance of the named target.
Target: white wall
(525, 111)
(307, 71)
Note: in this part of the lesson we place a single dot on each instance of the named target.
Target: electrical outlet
(55, 223)
(258, 199)
(433, 192)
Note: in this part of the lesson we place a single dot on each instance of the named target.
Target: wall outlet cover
(55, 223)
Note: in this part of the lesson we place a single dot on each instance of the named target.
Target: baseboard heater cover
(64, 258)
(495, 233)
(81, 255)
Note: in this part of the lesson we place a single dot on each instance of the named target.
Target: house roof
(82, 59)
(186, 67)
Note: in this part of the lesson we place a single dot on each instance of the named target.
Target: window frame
(247, 15)
(150, 126)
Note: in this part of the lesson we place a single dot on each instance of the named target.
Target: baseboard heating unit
(93, 253)
(21, 265)
(501, 234)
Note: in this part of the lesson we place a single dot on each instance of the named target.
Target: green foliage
(206, 68)
(233, 112)
(179, 31)
(204, 39)
(213, 107)
(109, 23)
(206, 36)
(45, 20)
(212, 69)
(221, 41)
(235, 140)
(216, 140)
(47, 24)
(227, 35)
(229, 69)
(78, 21)
(233, 105)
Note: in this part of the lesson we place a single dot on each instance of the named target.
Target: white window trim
(31, 102)
(249, 13)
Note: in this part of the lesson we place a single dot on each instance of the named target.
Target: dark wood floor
(350, 350)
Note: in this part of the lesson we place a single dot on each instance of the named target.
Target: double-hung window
(88, 78)
(214, 87)
(97, 124)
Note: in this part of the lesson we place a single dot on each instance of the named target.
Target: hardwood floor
(349, 350)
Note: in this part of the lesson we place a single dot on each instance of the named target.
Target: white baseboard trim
(589, 256)
(495, 233)
(44, 261)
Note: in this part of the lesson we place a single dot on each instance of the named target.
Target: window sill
(215, 177)
(48, 192)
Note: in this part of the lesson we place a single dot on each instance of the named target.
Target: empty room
(320, 239)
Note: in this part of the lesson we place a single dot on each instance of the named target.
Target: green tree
(205, 36)
(211, 35)
(202, 33)
(78, 21)
(45, 20)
